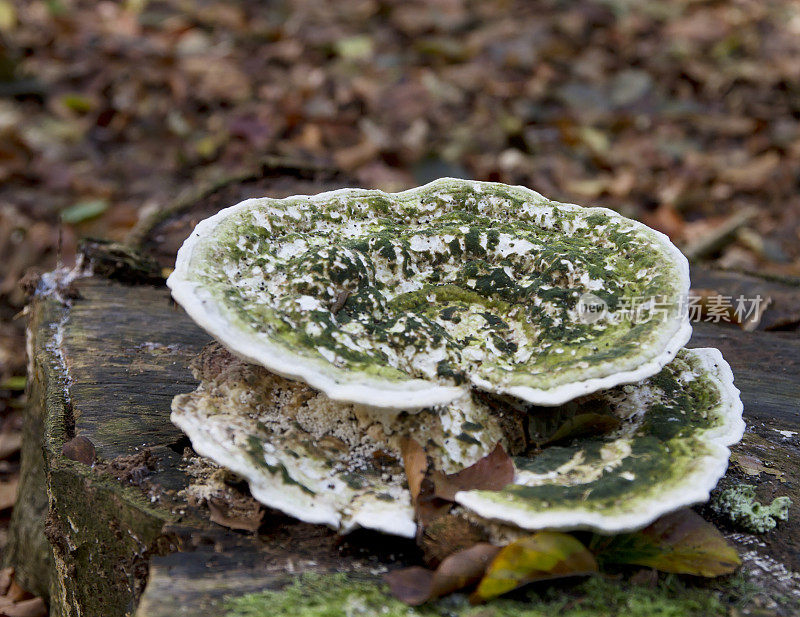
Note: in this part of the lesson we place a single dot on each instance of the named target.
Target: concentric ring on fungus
(405, 300)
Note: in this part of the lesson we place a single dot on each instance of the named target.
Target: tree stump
(119, 538)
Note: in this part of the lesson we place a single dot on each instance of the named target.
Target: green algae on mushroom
(319, 460)
(669, 452)
(405, 300)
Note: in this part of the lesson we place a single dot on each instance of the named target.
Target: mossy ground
(341, 595)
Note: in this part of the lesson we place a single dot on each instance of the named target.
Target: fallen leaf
(410, 585)
(542, 556)
(491, 473)
(753, 466)
(15, 601)
(79, 449)
(78, 103)
(754, 173)
(427, 506)
(357, 47)
(16, 593)
(6, 576)
(704, 237)
(415, 462)
(417, 585)
(10, 443)
(14, 383)
(681, 542)
(8, 16)
(34, 607)
(666, 219)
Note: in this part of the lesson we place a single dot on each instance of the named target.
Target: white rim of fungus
(696, 488)
(412, 393)
(387, 517)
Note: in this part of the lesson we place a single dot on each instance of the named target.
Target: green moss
(738, 504)
(341, 595)
(315, 595)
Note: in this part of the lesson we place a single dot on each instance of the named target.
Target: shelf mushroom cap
(670, 451)
(316, 459)
(406, 300)
(339, 464)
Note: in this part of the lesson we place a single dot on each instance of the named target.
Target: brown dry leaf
(415, 462)
(10, 443)
(667, 220)
(432, 491)
(427, 505)
(34, 607)
(753, 466)
(6, 576)
(492, 473)
(753, 174)
(15, 593)
(702, 238)
(410, 585)
(217, 78)
(80, 449)
(417, 585)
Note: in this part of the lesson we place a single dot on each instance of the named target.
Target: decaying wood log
(121, 537)
(107, 367)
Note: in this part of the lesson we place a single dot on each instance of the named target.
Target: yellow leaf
(544, 555)
(681, 542)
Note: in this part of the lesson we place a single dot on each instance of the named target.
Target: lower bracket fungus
(341, 464)
(669, 451)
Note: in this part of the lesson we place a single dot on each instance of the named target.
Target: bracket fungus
(453, 317)
(320, 460)
(340, 464)
(406, 300)
(669, 450)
